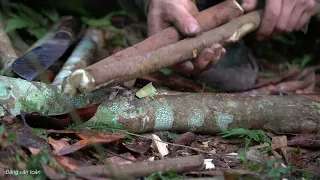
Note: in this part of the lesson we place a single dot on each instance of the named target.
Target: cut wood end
(79, 80)
(238, 5)
(242, 31)
(195, 53)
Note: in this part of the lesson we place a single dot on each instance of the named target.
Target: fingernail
(219, 49)
(187, 65)
(193, 29)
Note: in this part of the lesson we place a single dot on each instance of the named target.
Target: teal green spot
(260, 106)
(4, 91)
(232, 104)
(196, 118)
(106, 116)
(317, 104)
(2, 111)
(223, 120)
(164, 115)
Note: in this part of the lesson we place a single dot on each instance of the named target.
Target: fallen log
(209, 113)
(82, 56)
(142, 169)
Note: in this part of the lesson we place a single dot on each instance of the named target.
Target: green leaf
(52, 14)
(249, 135)
(34, 15)
(102, 22)
(166, 71)
(39, 132)
(38, 32)
(12, 137)
(146, 91)
(306, 60)
(16, 23)
(291, 40)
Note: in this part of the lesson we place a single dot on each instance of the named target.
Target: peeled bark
(208, 19)
(210, 113)
(82, 56)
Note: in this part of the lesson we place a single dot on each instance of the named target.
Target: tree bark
(210, 113)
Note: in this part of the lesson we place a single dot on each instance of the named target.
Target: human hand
(281, 16)
(164, 13)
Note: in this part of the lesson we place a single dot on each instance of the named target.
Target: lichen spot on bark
(232, 104)
(164, 115)
(223, 120)
(106, 116)
(4, 91)
(318, 105)
(125, 109)
(195, 118)
(260, 106)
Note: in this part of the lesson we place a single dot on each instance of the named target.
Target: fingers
(182, 19)
(155, 21)
(249, 5)
(208, 58)
(204, 61)
(271, 15)
(183, 68)
(306, 14)
(285, 15)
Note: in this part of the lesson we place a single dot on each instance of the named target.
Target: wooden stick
(142, 169)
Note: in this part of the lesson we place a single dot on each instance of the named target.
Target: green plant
(99, 126)
(33, 22)
(104, 22)
(164, 176)
(265, 168)
(248, 135)
(2, 129)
